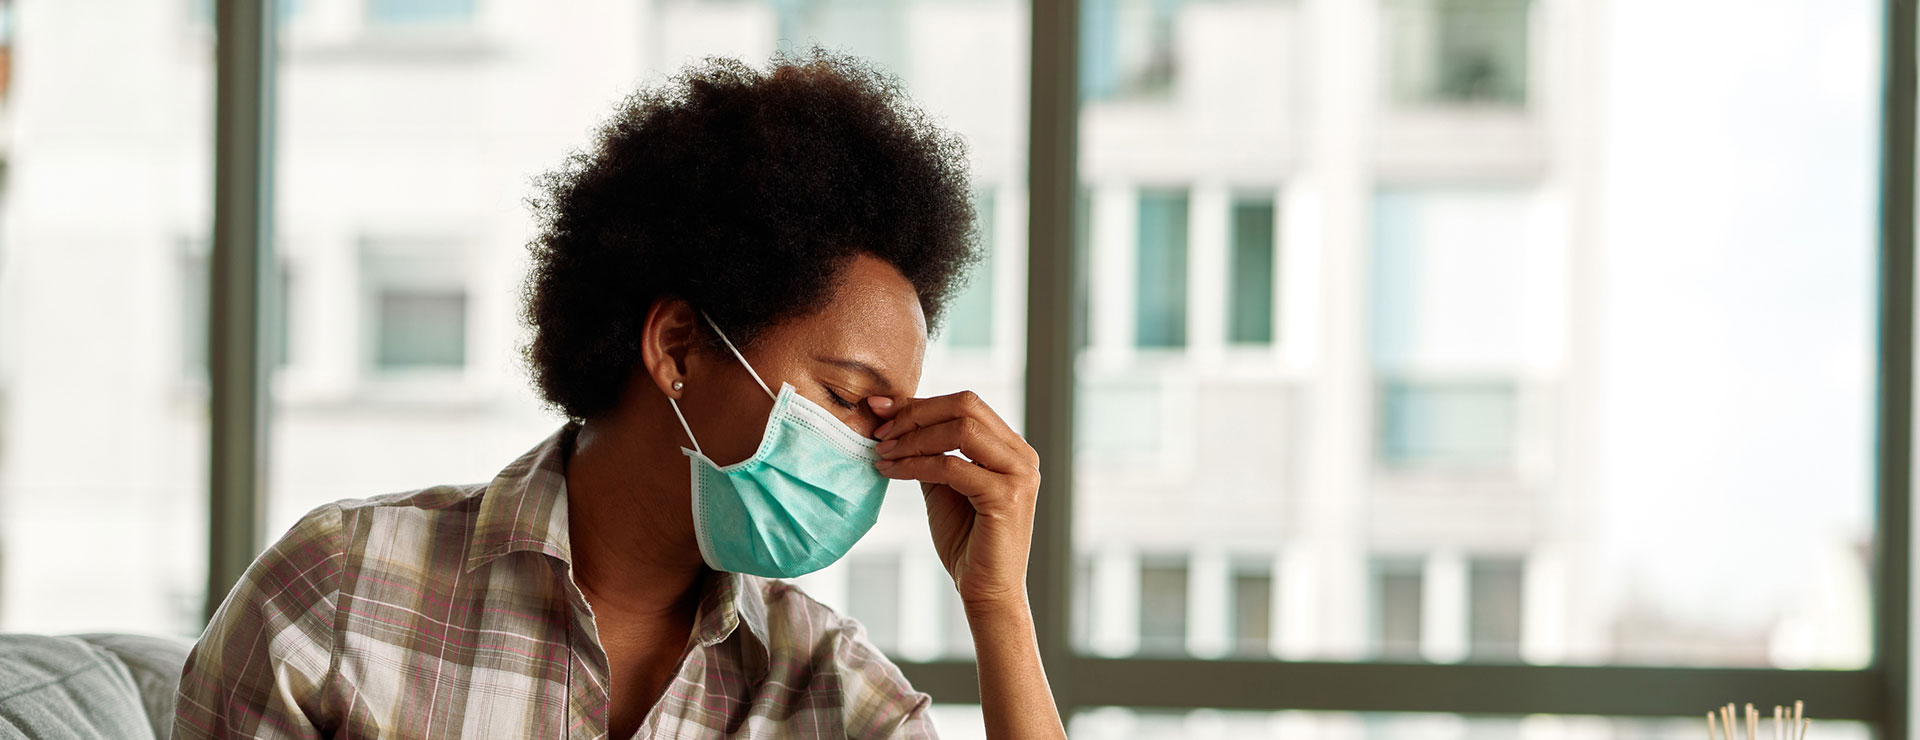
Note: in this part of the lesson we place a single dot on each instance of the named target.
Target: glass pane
(103, 307)
(1162, 270)
(1251, 275)
(1455, 52)
(1252, 631)
(1488, 335)
(1125, 723)
(410, 132)
(421, 329)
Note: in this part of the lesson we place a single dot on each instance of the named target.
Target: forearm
(1014, 696)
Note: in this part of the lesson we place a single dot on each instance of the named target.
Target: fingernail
(886, 445)
(881, 433)
(884, 464)
(880, 402)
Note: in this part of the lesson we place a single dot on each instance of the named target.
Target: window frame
(242, 258)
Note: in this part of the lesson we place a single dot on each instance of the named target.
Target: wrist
(998, 607)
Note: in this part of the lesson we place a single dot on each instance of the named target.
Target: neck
(629, 521)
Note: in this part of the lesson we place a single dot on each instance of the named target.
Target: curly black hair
(744, 192)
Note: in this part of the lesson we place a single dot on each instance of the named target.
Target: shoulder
(311, 554)
(796, 619)
(409, 519)
(874, 693)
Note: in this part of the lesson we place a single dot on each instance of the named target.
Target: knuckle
(969, 400)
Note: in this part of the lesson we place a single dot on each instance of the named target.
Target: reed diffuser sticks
(1724, 723)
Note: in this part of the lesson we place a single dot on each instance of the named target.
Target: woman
(730, 301)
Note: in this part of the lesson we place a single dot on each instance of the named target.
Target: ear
(665, 341)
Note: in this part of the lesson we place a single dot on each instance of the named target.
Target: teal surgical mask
(798, 503)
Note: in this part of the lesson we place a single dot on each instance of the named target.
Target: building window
(421, 328)
(1494, 617)
(1250, 275)
(1161, 280)
(1081, 603)
(1127, 48)
(416, 304)
(873, 598)
(1252, 611)
(1397, 592)
(970, 317)
(1457, 51)
(878, 28)
(959, 633)
(1163, 606)
(419, 12)
(1457, 424)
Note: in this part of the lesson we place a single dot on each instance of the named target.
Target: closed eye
(838, 401)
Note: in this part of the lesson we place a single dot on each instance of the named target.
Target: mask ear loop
(683, 424)
(743, 363)
(738, 356)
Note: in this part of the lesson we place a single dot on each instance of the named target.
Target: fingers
(883, 406)
(925, 412)
(966, 435)
(967, 478)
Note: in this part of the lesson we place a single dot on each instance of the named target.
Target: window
(421, 329)
(1161, 299)
(1399, 591)
(1252, 611)
(1163, 606)
(1494, 589)
(959, 635)
(1251, 274)
(1130, 51)
(1457, 51)
(417, 305)
(873, 597)
(1677, 327)
(402, 174)
(103, 462)
(970, 317)
(419, 12)
(1448, 424)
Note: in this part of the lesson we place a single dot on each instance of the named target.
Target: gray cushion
(63, 687)
(155, 663)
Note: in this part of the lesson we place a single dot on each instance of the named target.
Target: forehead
(871, 317)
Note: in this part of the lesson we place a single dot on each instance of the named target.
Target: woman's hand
(980, 506)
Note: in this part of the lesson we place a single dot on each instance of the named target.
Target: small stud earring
(677, 385)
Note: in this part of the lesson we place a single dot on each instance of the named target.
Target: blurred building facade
(1337, 395)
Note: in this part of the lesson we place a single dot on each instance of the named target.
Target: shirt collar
(730, 601)
(525, 508)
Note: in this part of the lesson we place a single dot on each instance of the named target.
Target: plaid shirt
(452, 612)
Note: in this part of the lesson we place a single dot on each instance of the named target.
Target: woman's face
(868, 340)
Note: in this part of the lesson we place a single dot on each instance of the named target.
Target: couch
(89, 686)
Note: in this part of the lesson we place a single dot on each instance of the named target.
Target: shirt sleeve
(878, 701)
(262, 667)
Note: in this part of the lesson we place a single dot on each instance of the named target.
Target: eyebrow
(882, 386)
